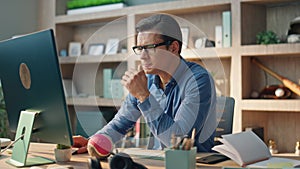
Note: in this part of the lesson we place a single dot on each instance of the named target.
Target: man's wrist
(143, 97)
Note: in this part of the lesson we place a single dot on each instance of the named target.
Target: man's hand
(80, 143)
(136, 83)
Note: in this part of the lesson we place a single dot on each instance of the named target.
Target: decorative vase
(63, 155)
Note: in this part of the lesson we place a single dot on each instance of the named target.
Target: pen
(186, 144)
(193, 137)
(173, 141)
(189, 142)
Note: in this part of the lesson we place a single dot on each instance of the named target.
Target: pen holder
(183, 159)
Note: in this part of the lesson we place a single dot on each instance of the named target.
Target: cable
(11, 144)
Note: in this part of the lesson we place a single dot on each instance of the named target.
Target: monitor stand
(21, 147)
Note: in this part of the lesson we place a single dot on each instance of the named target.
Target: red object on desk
(100, 145)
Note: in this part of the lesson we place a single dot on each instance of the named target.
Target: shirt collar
(181, 69)
(176, 76)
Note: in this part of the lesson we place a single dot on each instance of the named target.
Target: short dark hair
(165, 24)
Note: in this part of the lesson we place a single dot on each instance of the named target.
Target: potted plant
(62, 153)
(267, 37)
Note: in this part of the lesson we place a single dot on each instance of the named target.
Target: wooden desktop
(79, 161)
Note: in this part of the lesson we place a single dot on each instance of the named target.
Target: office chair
(225, 111)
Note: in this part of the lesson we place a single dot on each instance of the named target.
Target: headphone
(118, 161)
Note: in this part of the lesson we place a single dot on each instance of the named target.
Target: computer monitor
(34, 94)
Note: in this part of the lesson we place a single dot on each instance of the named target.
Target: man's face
(154, 60)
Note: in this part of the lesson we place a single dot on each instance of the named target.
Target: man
(174, 96)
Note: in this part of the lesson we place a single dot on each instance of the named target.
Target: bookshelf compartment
(254, 79)
(88, 79)
(281, 126)
(98, 32)
(200, 20)
(201, 24)
(220, 71)
(264, 15)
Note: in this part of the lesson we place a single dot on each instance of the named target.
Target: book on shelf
(107, 77)
(226, 19)
(69, 88)
(117, 89)
(248, 150)
(218, 36)
(95, 8)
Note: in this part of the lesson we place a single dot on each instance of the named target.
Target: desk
(79, 161)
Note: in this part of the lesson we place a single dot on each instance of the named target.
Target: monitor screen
(31, 81)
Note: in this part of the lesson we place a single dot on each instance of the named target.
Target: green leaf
(61, 146)
(267, 37)
(73, 4)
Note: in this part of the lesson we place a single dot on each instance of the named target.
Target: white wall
(18, 17)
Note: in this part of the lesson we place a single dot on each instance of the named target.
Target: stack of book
(112, 88)
(89, 6)
(223, 32)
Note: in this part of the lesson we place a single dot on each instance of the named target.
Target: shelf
(93, 101)
(268, 1)
(287, 155)
(90, 17)
(182, 7)
(93, 59)
(274, 49)
(292, 105)
(176, 7)
(207, 53)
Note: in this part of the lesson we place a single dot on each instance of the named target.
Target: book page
(232, 150)
(250, 147)
(247, 146)
(228, 152)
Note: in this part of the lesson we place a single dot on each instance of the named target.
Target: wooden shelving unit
(240, 76)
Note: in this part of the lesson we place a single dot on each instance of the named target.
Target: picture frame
(200, 43)
(74, 49)
(112, 46)
(96, 49)
(185, 36)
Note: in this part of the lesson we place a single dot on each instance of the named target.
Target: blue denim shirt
(187, 102)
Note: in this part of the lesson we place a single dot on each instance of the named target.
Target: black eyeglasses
(149, 48)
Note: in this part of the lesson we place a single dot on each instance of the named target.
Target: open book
(248, 150)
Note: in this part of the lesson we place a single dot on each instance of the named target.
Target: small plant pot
(62, 155)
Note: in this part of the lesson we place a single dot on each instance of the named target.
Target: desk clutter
(179, 158)
(117, 161)
(183, 144)
(182, 154)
